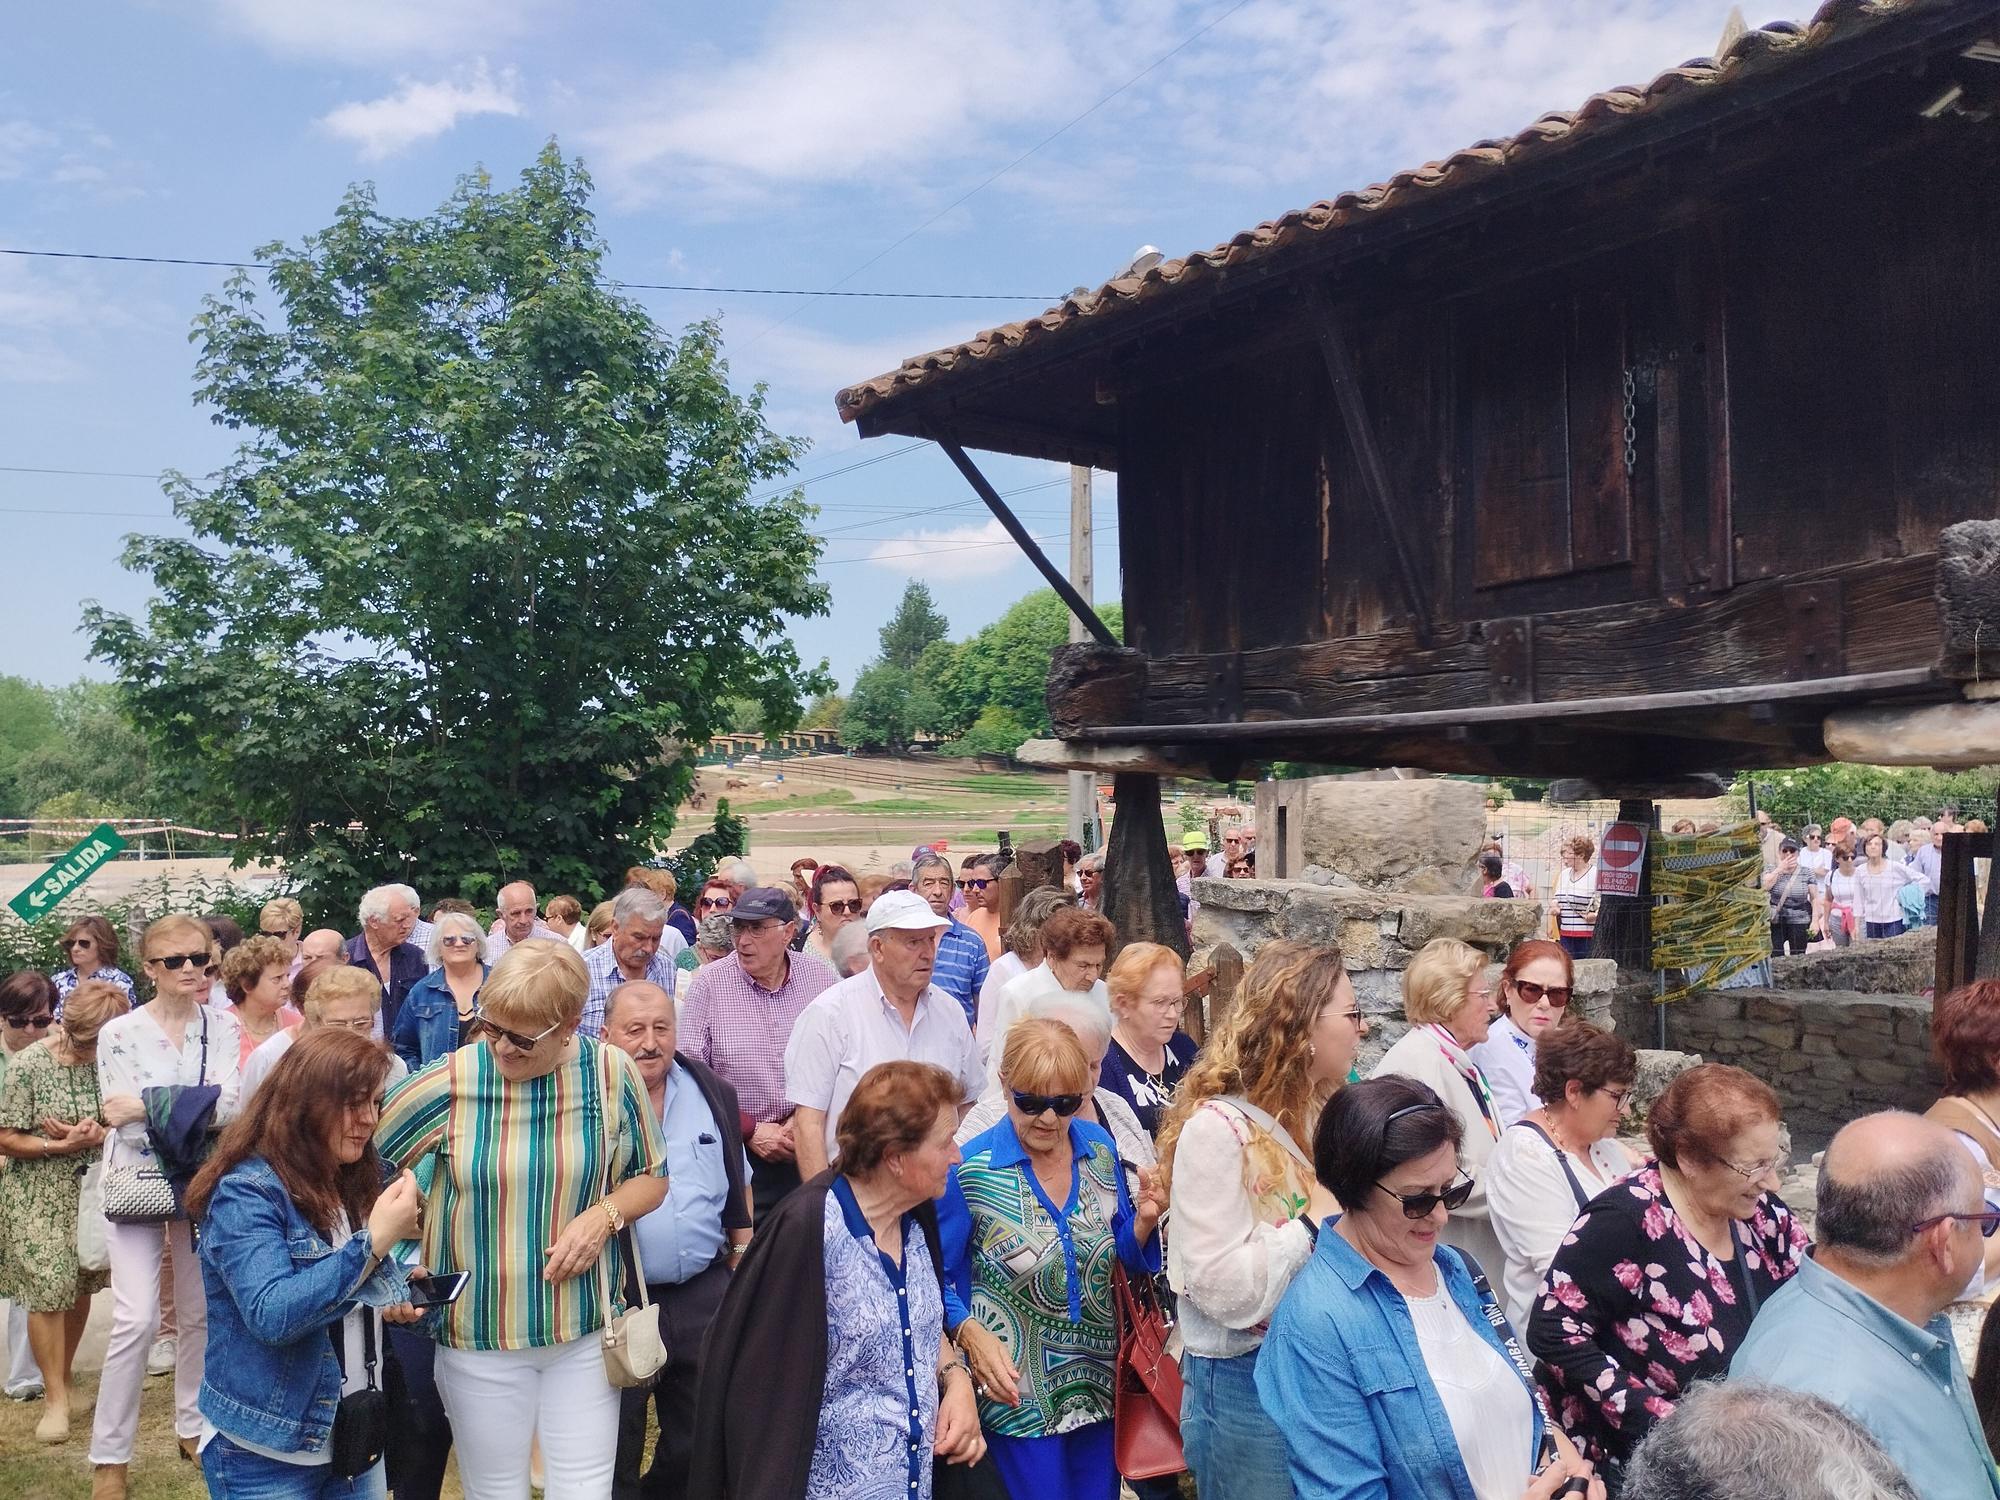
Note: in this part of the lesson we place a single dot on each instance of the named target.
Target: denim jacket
(427, 1024)
(1342, 1376)
(274, 1285)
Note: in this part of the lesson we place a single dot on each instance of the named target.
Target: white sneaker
(161, 1360)
(29, 1392)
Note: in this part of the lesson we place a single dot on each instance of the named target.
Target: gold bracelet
(611, 1213)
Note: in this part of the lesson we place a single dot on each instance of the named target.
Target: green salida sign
(66, 874)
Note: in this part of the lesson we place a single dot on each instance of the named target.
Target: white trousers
(499, 1399)
(23, 1374)
(136, 1251)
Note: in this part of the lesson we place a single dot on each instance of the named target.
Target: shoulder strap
(1268, 1123)
(1955, 1114)
(608, 1102)
(1562, 1160)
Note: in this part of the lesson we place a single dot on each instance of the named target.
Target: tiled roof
(1755, 54)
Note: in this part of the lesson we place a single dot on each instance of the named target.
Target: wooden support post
(1625, 923)
(1988, 965)
(1007, 893)
(1958, 910)
(1226, 969)
(1140, 897)
(1040, 863)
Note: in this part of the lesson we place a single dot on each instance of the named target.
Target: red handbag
(1145, 1384)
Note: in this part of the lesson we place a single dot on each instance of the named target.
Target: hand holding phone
(438, 1291)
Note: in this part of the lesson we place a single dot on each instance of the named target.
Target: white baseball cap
(903, 909)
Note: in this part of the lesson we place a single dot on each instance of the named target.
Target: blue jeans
(1884, 929)
(1234, 1449)
(235, 1473)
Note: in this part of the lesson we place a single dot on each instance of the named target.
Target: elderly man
(740, 1014)
(1090, 881)
(890, 1010)
(737, 874)
(383, 947)
(323, 945)
(641, 946)
(1740, 1440)
(850, 950)
(1899, 1234)
(517, 921)
(961, 961)
(692, 1244)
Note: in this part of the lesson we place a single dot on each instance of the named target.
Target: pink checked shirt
(740, 1029)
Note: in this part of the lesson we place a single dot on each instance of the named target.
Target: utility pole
(1082, 784)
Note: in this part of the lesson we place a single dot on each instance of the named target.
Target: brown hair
(1538, 948)
(101, 932)
(1965, 1036)
(1704, 1109)
(1071, 927)
(600, 921)
(893, 1109)
(1578, 1052)
(244, 965)
(1583, 843)
(284, 909)
(159, 931)
(26, 991)
(1044, 1056)
(290, 1122)
(1135, 965)
(309, 972)
(660, 882)
(827, 875)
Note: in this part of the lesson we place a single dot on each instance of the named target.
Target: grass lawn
(838, 796)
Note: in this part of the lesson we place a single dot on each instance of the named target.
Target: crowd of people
(851, 1188)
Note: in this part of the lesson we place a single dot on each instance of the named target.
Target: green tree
(486, 544)
(96, 756)
(824, 712)
(1006, 666)
(915, 625)
(878, 713)
(27, 725)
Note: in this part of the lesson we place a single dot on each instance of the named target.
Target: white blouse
(1507, 1058)
(1533, 1207)
(133, 1054)
(1491, 1413)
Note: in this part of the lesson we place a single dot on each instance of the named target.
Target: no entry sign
(1620, 858)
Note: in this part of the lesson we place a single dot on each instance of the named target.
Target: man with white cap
(890, 1010)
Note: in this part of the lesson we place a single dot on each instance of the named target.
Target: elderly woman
(1149, 1053)
(1075, 944)
(714, 939)
(836, 903)
(717, 896)
(296, 1239)
(1388, 1368)
(51, 1133)
(91, 946)
(1030, 1225)
(170, 1074)
(563, 915)
(439, 1006)
(1023, 942)
(330, 997)
(827, 1373)
(1560, 1155)
(1244, 1199)
(1576, 896)
(1449, 1007)
(1965, 1040)
(1654, 1286)
(1535, 989)
(283, 919)
(257, 977)
(540, 1143)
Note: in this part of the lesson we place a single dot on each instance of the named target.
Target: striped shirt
(961, 967)
(510, 1164)
(740, 1029)
(1574, 895)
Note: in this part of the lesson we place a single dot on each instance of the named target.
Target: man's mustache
(650, 1054)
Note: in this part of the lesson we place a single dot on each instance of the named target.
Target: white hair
(637, 904)
(736, 871)
(1079, 1012)
(1740, 1440)
(375, 905)
(455, 921)
(849, 949)
(1091, 861)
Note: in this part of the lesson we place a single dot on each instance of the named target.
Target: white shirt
(497, 941)
(264, 1057)
(854, 1026)
(1533, 1207)
(1507, 1058)
(133, 1054)
(1819, 861)
(1003, 971)
(1491, 1413)
(1877, 889)
(1013, 1004)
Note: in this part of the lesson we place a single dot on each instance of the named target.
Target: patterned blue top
(961, 967)
(884, 1322)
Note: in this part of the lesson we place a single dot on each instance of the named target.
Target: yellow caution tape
(1716, 920)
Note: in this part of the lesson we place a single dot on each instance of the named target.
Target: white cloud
(24, 147)
(954, 553)
(421, 111)
(379, 30)
(47, 314)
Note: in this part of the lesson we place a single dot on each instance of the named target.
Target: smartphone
(437, 1291)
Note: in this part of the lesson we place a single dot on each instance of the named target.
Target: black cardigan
(763, 1369)
(721, 1100)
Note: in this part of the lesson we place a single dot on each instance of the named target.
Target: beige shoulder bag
(634, 1351)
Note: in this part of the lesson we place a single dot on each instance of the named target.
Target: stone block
(1596, 976)
(1892, 966)
(1781, 1038)
(1889, 1071)
(1420, 836)
(1657, 1070)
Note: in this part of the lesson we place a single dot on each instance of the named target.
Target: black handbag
(361, 1420)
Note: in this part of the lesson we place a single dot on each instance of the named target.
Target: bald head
(1884, 1174)
(516, 902)
(324, 944)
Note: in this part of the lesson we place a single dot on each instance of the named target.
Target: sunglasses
(843, 908)
(81, 942)
(973, 885)
(172, 962)
(1556, 994)
(715, 903)
(1422, 1205)
(276, 932)
(1064, 1105)
(513, 1039)
(1988, 1222)
(458, 940)
(32, 1023)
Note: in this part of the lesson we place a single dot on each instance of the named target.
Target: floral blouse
(1635, 1309)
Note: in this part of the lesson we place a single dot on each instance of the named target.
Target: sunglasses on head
(1556, 994)
(973, 885)
(172, 962)
(1064, 1105)
(1422, 1205)
(843, 908)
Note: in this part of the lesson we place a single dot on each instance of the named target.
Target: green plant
(1820, 794)
(727, 835)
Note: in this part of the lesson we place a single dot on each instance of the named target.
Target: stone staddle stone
(1420, 836)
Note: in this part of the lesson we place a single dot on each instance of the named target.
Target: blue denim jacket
(1342, 1376)
(274, 1285)
(427, 1024)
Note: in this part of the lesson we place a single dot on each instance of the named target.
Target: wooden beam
(1958, 910)
(1150, 760)
(1055, 576)
(1338, 352)
(1945, 735)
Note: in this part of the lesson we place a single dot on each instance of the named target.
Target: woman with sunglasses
(435, 1013)
(1535, 990)
(717, 897)
(1656, 1283)
(1389, 1367)
(149, 1062)
(1552, 1161)
(91, 946)
(836, 901)
(539, 1143)
(1030, 1226)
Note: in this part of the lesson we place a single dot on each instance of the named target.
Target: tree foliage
(915, 626)
(72, 752)
(1819, 794)
(485, 544)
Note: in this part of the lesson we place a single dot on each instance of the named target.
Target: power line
(932, 551)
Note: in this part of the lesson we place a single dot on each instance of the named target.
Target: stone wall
(1888, 966)
(1830, 1054)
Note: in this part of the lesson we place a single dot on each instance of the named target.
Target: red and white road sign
(1620, 858)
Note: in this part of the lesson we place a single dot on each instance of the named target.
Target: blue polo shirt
(1820, 1335)
(961, 967)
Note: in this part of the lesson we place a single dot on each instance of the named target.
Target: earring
(1312, 1051)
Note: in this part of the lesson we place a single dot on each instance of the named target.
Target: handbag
(1145, 1384)
(139, 1192)
(92, 1254)
(634, 1350)
(361, 1420)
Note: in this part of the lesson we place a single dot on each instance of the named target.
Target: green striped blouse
(509, 1164)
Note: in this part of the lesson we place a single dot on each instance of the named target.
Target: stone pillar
(1140, 897)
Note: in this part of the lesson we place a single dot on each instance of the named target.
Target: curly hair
(1263, 1051)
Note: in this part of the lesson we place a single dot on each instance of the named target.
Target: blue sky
(784, 145)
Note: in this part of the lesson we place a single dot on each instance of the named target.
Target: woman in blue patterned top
(1028, 1284)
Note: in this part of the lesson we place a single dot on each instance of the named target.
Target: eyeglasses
(172, 962)
(32, 1023)
(79, 942)
(1164, 1004)
(458, 940)
(1064, 1105)
(1618, 1096)
(843, 908)
(1556, 994)
(715, 903)
(1422, 1205)
(1988, 1222)
(513, 1039)
(973, 885)
(359, 1023)
(1756, 1169)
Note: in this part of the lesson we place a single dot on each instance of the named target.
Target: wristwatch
(611, 1212)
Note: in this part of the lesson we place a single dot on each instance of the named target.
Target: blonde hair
(599, 925)
(660, 882)
(537, 983)
(157, 933)
(282, 909)
(564, 908)
(1044, 1056)
(1435, 983)
(1263, 1051)
(90, 1005)
(1135, 965)
(341, 982)
(244, 965)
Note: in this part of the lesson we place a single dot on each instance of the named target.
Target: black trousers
(769, 1182)
(419, 1431)
(685, 1309)
(1788, 937)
